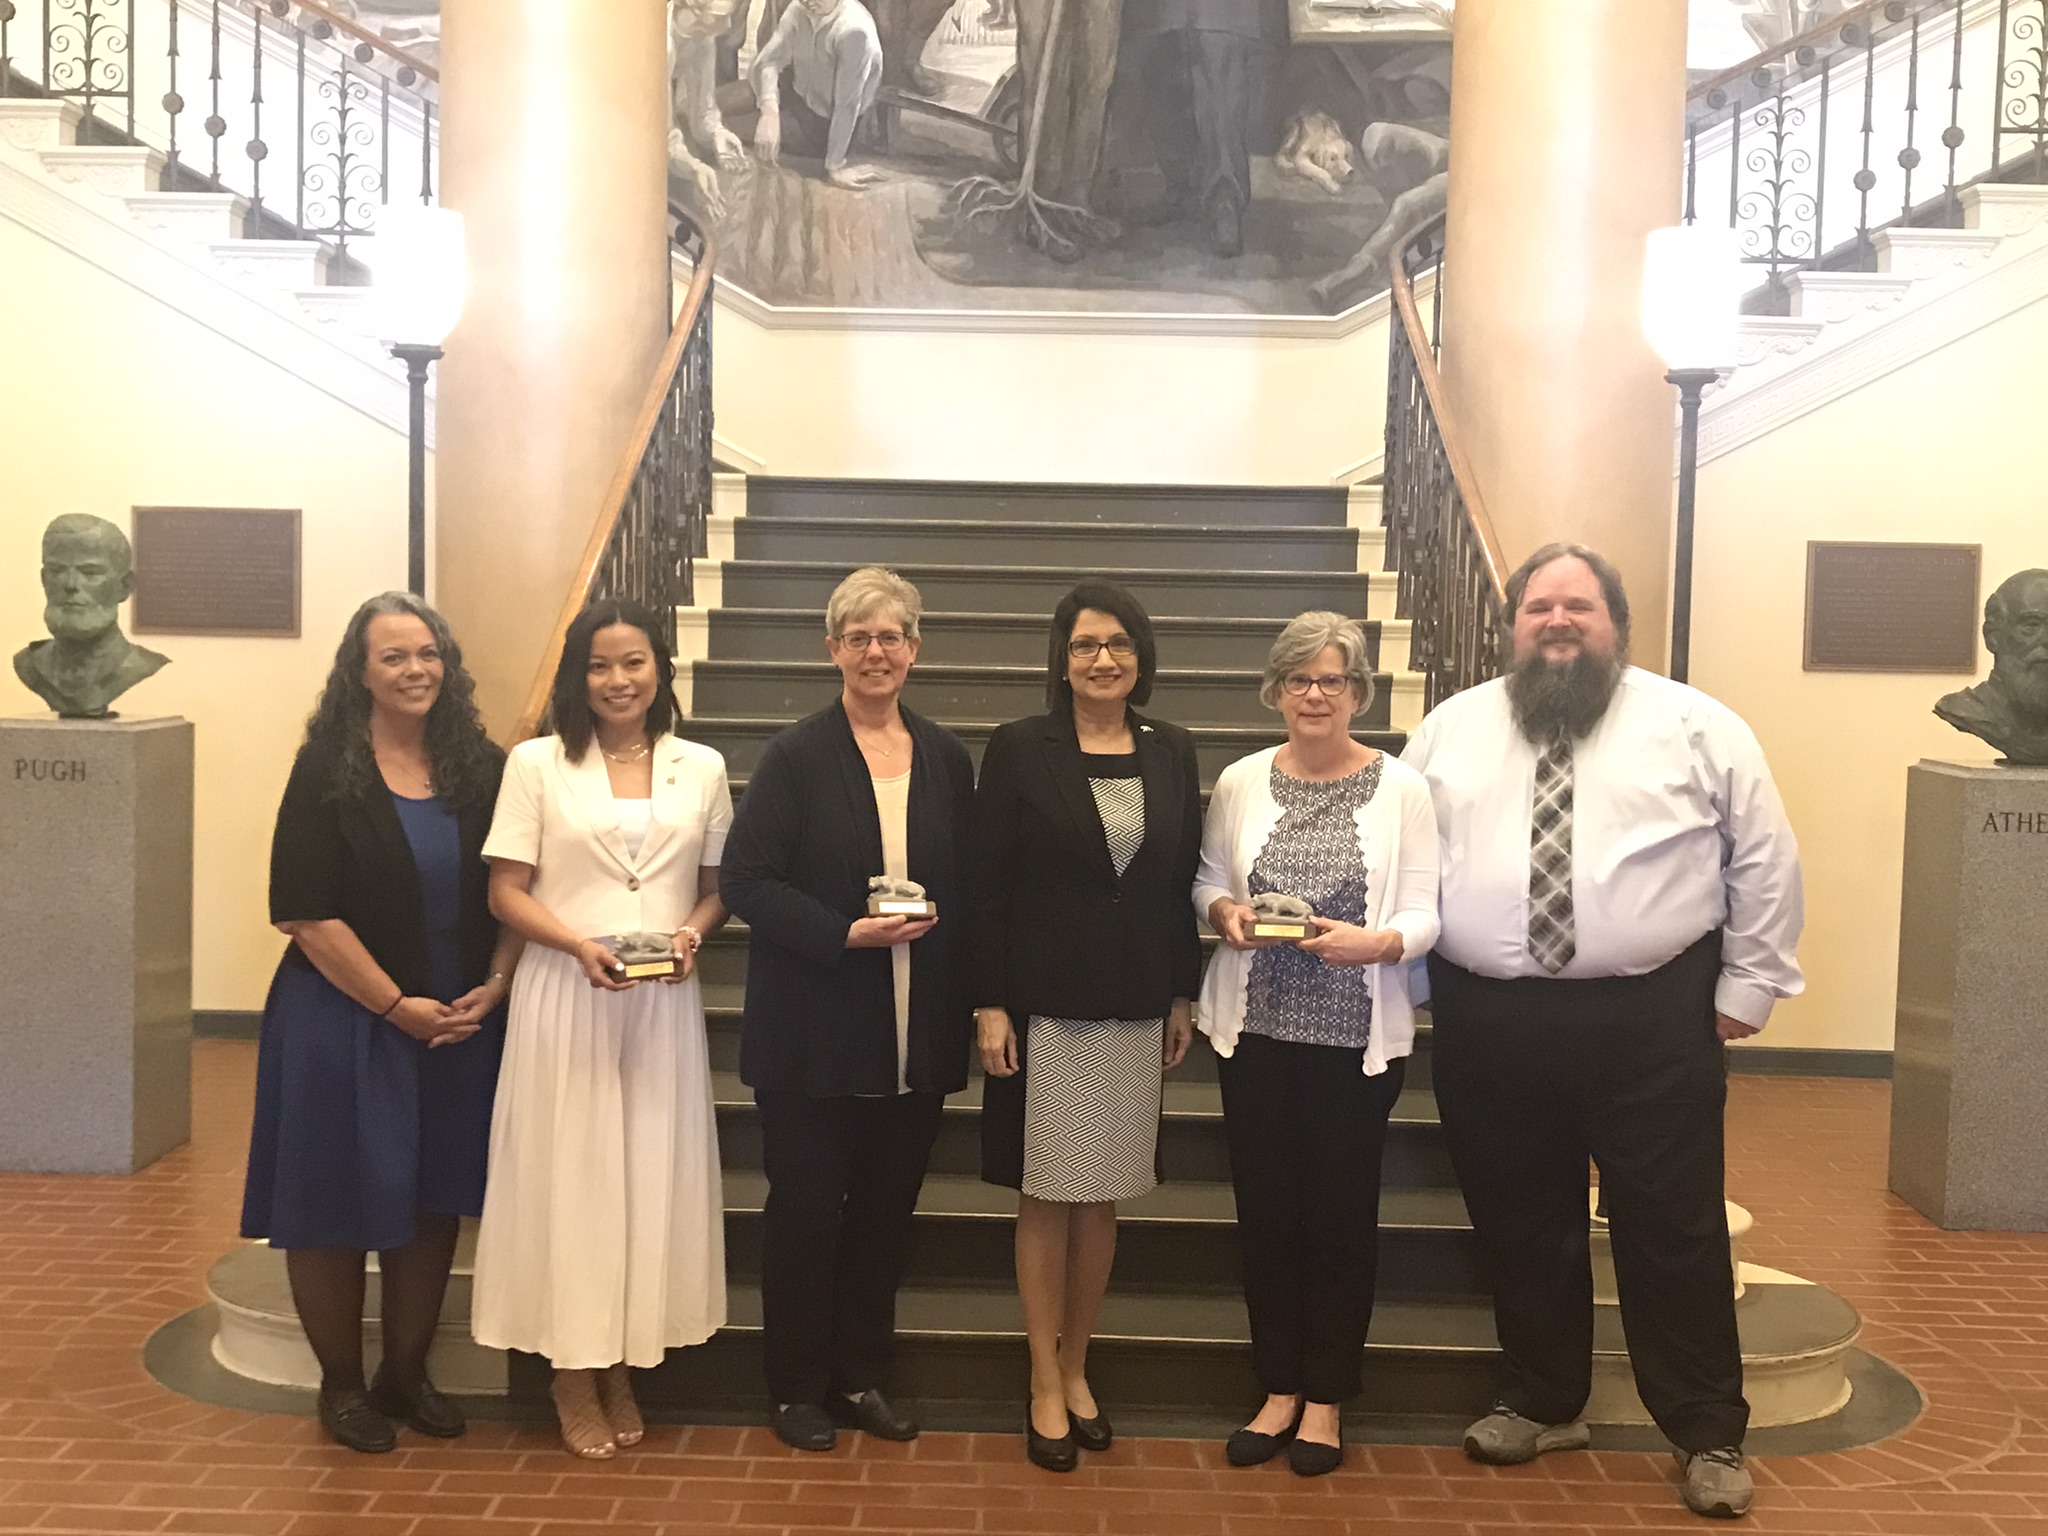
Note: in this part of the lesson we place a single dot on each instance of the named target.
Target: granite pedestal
(1970, 1063)
(95, 943)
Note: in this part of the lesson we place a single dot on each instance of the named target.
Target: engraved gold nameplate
(915, 907)
(1291, 928)
(1278, 916)
(643, 956)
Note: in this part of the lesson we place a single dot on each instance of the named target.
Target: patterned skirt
(1091, 1108)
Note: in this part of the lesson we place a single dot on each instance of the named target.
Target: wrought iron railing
(316, 121)
(1440, 542)
(1881, 117)
(654, 521)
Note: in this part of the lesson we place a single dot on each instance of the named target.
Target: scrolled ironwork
(88, 48)
(1776, 219)
(2021, 107)
(339, 173)
(1447, 564)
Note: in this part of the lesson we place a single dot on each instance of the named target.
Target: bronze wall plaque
(1892, 607)
(217, 571)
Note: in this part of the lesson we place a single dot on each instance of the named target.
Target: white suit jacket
(560, 817)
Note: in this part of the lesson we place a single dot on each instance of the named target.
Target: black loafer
(1092, 1434)
(1254, 1448)
(1054, 1453)
(1312, 1458)
(803, 1427)
(426, 1409)
(353, 1421)
(871, 1414)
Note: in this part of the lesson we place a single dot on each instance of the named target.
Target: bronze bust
(88, 572)
(2009, 709)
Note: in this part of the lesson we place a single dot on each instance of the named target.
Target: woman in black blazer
(381, 1035)
(1087, 832)
(856, 1027)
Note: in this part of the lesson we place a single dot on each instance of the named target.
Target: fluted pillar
(1567, 130)
(553, 147)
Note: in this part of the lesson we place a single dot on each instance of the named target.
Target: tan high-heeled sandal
(615, 1393)
(585, 1431)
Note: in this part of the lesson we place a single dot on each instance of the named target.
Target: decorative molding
(202, 216)
(183, 277)
(725, 451)
(1045, 322)
(30, 124)
(113, 169)
(1919, 253)
(1760, 337)
(2003, 209)
(1832, 297)
(1361, 469)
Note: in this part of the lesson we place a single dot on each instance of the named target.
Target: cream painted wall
(110, 400)
(1138, 408)
(1942, 450)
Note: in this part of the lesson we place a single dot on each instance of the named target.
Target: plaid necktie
(1551, 938)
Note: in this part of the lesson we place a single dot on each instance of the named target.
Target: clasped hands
(439, 1023)
(1335, 943)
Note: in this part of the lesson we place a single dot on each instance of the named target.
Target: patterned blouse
(1313, 853)
(1119, 789)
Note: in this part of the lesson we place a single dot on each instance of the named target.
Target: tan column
(1567, 132)
(554, 149)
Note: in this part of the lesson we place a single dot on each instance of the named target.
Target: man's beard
(1562, 700)
(2025, 683)
(86, 623)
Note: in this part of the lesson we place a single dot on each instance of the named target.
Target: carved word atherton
(2016, 821)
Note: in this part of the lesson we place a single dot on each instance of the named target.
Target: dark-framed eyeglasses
(1330, 684)
(1087, 648)
(890, 640)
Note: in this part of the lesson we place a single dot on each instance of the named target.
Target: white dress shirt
(836, 58)
(1677, 830)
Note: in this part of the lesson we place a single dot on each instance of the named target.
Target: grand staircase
(1220, 570)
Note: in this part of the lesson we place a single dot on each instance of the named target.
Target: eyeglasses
(1122, 647)
(890, 640)
(1330, 684)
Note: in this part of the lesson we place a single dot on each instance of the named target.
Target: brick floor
(89, 1267)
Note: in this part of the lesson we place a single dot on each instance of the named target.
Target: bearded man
(1621, 894)
(88, 573)
(2009, 709)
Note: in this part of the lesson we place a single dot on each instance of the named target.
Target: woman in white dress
(602, 1242)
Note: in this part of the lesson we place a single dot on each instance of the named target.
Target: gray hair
(867, 591)
(1306, 636)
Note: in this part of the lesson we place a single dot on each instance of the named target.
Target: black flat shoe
(1254, 1448)
(1312, 1458)
(871, 1414)
(1054, 1453)
(350, 1418)
(1091, 1434)
(803, 1427)
(426, 1409)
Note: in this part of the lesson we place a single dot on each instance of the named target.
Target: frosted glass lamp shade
(1693, 281)
(421, 273)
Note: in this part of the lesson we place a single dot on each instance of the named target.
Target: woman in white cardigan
(1313, 1037)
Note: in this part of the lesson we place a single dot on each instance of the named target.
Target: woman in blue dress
(385, 1021)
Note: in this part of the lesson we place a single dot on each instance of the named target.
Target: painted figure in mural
(2009, 709)
(905, 27)
(1411, 166)
(695, 28)
(87, 663)
(835, 54)
(1203, 57)
(1072, 45)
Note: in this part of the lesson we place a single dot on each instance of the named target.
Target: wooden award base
(901, 906)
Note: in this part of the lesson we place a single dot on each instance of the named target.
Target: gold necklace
(871, 747)
(628, 756)
(426, 778)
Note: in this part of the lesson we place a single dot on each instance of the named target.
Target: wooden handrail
(363, 34)
(614, 504)
(1812, 37)
(1440, 405)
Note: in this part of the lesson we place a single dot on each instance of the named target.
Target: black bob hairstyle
(569, 702)
(1104, 597)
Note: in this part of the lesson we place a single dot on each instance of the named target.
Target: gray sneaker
(1505, 1439)
(1717, 1484)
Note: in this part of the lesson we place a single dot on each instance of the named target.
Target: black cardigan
(348, 859)
(821, 1018)
(1054, 929)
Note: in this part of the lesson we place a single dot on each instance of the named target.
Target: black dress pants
(1534, 1077)
(1306, 1129)
(843, 1177)
(1199, 107)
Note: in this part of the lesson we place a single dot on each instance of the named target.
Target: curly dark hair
(465, 761)
(569, 714)
(1104, 597)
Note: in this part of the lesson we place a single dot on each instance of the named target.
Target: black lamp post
(417, 360)
(1690, 382)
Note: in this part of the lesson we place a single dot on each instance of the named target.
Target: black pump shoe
(1253, 1448)
(1055, 1453)
(350, 1418)
(1091, 1434)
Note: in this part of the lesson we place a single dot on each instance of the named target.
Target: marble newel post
(95, 943)
(1970, 1063)
(1567, 149)
(554, 147)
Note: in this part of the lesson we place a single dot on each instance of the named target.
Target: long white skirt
(603, 1228)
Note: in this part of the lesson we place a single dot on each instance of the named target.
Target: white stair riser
(112, 170)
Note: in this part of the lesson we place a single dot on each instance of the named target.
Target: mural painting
(1161, 156)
